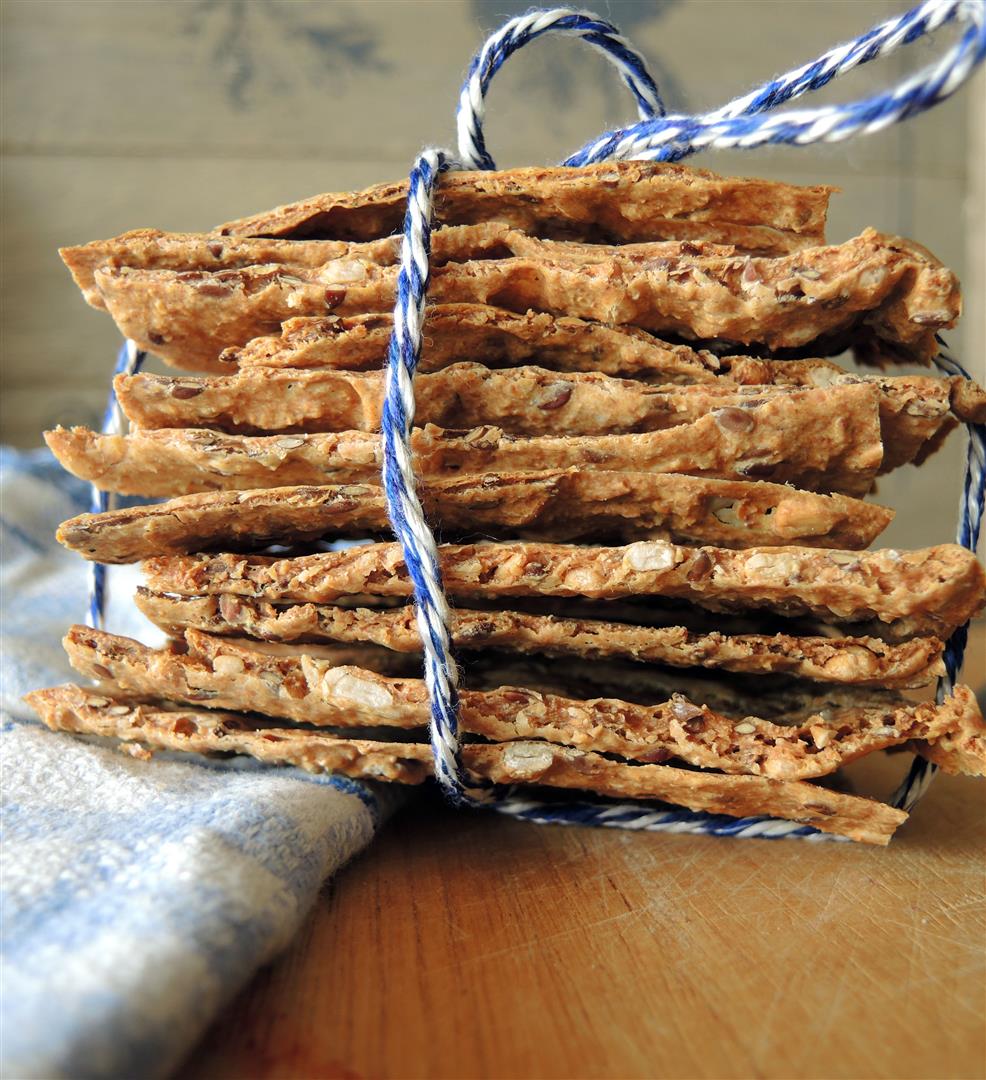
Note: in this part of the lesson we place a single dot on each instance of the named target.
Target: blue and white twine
(746, 122)
(129, 360)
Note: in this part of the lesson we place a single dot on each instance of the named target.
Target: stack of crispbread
(646, 482)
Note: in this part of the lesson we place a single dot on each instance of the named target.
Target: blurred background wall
(184, 113)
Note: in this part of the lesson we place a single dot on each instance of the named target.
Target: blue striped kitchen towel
(137, 897)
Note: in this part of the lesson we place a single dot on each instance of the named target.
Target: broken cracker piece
(524, 400)
(483, 334)
(960, 750)
(555, 505)
(68, 708)
(870, 285)
(618, 202)
(497, 338)
(929, 590)
(301, 686)
(859, 661)
(826, 440)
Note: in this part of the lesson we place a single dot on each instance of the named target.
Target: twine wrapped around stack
(646, 475)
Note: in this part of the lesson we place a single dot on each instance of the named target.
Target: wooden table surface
(468, 945)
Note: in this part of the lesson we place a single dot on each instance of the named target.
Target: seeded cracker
(825, 440)
(961, 750)
(303, 687)
(870, 286)
(503, 339)
(526, 400)
(931, 590)
(916, 412)
(559, 505)
(69, 708)
(618, 202)
(859, 661)
(477, 332)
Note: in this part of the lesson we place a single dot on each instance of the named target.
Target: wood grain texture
(467, 945)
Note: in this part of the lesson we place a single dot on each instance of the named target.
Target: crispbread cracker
(251, 518)
(906, 393)
(871, 285)
(526, 400)
(933, 590)
(826, 440)
(166, 726)
(915, 412)
(215, 267)
(521, 401)
(153, 249)
(618, 202)
(70, 708)
(960, 750)
(561, 505)
(502, 339)
(860, 661)
(484, 334)
(232, 674)
(785, 701)
(206, 257)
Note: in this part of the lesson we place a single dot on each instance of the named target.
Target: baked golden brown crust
(616, 202)
(931, 590)
(554, 505)
(960, 750)
(154, 249)
(69, 708)
(915, 412)
(480, 333)
(526, 400)
(873, 284)
(859, 661)
(819, 736)
(503, 339)
(200, 256)
(250, 518)
(827, 440)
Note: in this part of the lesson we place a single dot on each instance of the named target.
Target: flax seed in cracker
(481, 334)
(930, 590)
(301, 686)
(554, 505)
(859, 661)
(827, 440)
(871, 286)
(69, 708)
(618, 202)
(525, 400)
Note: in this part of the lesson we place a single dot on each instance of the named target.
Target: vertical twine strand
(406, 514)
(971, 503)
(129, 360)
